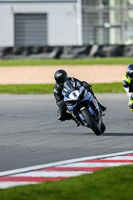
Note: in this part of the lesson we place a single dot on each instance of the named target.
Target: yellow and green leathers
(130, 103)
(128, 87)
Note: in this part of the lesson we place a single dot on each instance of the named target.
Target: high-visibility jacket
(127, 83)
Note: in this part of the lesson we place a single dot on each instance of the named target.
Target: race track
(31, 135)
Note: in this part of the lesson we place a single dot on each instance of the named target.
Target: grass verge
(89, 61)
(48, 88)
(27, 89)
(113, 183)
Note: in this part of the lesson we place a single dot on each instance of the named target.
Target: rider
(128, 85)
(60, 77)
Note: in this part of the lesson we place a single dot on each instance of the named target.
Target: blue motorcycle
(83, 107)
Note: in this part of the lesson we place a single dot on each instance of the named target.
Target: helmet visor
(61, 80)
(130, 74)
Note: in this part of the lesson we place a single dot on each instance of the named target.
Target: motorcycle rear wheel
(91, 122)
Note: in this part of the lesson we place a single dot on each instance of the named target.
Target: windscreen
(68, 88)
(69, 85)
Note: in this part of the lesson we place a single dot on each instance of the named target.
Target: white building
(39, 22)
(65, 22)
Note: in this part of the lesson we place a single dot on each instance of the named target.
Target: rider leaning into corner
(60, 77)
(128, 85)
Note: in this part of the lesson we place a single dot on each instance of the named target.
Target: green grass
(48, 88)
(27, 89)
(107, 184)
(89, 61)
(108, 88)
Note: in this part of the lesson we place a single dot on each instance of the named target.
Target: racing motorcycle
(83, 107)
(130, 103)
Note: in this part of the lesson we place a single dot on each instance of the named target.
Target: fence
(107, 22)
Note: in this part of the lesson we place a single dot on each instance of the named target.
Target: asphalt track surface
(31, 135)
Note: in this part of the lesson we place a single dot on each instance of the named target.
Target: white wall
(62, 21)
(6, 26)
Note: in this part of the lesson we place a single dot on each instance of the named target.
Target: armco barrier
(66, 52)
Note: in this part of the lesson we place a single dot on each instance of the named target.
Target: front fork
(96, 105)
(75, 118)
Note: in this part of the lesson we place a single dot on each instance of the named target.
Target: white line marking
(4, 185)
(97, 164)
(37, 167)
(120, 158)
(51, 174)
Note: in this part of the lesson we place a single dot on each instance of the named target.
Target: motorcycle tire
(91, 122)
(103, 127)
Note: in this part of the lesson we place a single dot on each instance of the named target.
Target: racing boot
(103, 108)
(68, 116)
(61, 115)
(65, 116)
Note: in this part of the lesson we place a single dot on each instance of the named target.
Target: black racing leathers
(62, 114)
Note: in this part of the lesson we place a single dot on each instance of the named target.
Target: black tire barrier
(66, 52)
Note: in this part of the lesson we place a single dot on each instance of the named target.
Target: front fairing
(76, 99)
(71, 94)
(74, 96)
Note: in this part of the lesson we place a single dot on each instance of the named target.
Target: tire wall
(66, 52)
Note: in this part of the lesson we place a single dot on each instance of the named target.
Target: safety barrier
(66, 52)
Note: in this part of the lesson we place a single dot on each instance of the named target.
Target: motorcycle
(83, 107)
(130, 103)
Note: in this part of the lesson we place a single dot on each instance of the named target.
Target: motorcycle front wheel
(91, 122)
